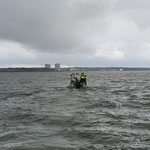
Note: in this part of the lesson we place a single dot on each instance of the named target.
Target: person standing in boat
(83, 79)
(72, 78)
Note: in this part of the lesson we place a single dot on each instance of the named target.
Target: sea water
(39, 112)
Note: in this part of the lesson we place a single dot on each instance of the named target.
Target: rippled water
(39, 112)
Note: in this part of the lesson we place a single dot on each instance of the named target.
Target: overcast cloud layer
(75, 32)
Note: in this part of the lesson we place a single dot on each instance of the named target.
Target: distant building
(57, 67)
(48, 66)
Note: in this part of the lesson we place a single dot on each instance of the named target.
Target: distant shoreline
(74, 69)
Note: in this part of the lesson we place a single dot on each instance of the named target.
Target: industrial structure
(48, 66)
(57, 67)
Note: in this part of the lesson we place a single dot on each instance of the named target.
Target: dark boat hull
(78, 85)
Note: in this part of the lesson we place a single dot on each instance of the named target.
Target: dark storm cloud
(52, 25)
(38, 24)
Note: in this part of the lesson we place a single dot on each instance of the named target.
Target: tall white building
(47, 66)
(57, 67)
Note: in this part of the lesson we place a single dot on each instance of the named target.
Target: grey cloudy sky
(75, 32)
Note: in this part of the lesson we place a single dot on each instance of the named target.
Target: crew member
(74, 79)
(83, 78)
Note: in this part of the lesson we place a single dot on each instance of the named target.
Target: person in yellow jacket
(74, 79)
(83, 78)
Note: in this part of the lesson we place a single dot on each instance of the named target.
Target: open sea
(39, 112)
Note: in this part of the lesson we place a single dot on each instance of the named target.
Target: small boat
(77, 84)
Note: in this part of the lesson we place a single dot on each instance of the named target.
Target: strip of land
(74, 69)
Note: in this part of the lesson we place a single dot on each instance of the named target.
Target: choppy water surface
(39, 112)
